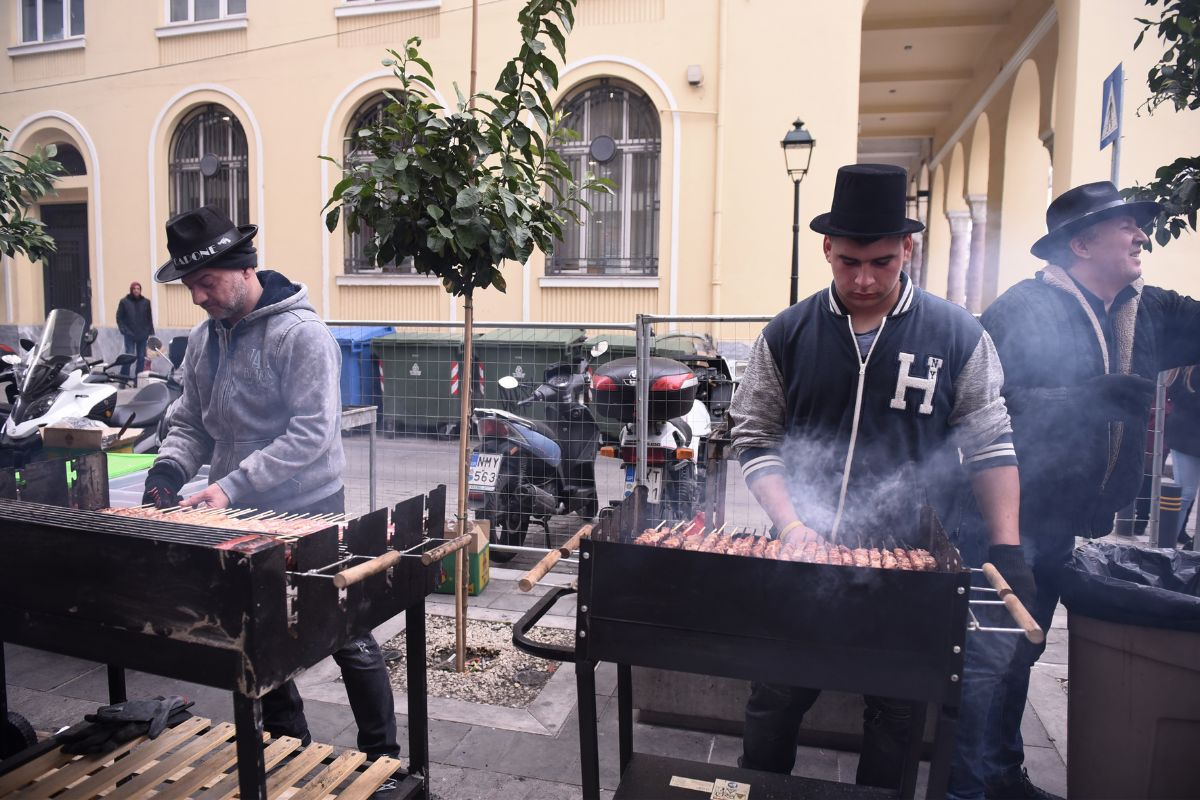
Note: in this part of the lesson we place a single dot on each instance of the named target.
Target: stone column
(978, 206)
(960, 237)
(916, 266)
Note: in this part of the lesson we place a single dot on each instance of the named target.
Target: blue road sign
(1110, 107)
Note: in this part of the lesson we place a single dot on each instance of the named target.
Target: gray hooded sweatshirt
(262, 401)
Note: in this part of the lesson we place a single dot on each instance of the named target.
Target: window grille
(356, 261)
(209, 164)
(619, 139)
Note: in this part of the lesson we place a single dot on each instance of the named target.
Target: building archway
(977, 206)
(958, 217)
(937, 236)
(1026, 178)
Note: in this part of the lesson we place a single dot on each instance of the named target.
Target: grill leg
(116, 684)
(418, 711)
(943, 751)
(252, 771)
(589, 745)
(625, 713)
(916, 736)
(3, 688)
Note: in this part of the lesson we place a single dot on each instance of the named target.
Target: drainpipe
(719, 166)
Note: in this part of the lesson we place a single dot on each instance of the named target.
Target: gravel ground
(496, 673)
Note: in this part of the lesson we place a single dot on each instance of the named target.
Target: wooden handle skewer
(530, 579)
(570, 545)
(1033, 631)
(443, 550)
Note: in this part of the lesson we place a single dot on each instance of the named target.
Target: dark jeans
(773, 716)
(368, 686)
(138, 348)
(1004, 750)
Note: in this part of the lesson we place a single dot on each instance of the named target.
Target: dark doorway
(66, 278)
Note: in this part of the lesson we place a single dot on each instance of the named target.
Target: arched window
(209, 164)
(369, 113)
(619, 139)
(71, 159)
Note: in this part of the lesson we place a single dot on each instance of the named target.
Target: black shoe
(1017, 786)
(1184, 542)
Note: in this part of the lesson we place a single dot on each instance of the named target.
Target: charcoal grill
(884, 632)
(222, 608)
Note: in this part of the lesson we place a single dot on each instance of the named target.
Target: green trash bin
(525, 353)
(421, 390)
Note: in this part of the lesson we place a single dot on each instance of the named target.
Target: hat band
(866, 222)
(214, 247)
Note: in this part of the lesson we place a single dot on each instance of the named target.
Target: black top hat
(868, 201)
(202, 238)
(1084, 206)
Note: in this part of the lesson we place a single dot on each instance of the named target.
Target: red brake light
(604, 383)
(674, 383)
(655, 456)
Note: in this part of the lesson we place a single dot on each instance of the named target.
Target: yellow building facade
(162, 104)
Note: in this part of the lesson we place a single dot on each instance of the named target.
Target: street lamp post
(797, 154)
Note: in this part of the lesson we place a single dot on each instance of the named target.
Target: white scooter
(52, 386)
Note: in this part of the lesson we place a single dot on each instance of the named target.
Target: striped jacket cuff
(999, 453)
(757, 462)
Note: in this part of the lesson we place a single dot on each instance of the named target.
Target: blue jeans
(1004, 750)
(138, 348)
(1187, 475)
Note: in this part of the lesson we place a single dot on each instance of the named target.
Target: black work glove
(113, 725)
(163, 483)
(1120, 396)
(1009, 561)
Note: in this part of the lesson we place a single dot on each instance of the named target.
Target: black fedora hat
(205, 237)
(1084, 206)
(868, 201)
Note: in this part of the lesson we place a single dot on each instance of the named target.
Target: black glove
(163, 483)
(1009, 561)
(1121, 396)
(121, 722)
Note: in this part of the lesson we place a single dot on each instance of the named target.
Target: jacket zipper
(862, 375)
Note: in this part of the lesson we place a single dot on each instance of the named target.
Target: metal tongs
(1025, 622)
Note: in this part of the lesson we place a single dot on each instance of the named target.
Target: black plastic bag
(1134, 585)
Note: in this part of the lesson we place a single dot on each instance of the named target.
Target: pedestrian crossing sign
(1110, 107)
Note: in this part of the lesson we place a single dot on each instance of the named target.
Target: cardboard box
(481, 532)
(478, 572)
(106, 438)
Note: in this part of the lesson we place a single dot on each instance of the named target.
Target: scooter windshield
(61, 341)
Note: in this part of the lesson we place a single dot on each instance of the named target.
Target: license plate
(484, 471)
(653, 482)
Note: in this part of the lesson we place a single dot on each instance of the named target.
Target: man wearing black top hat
(852, 413)
(1081, 343)
(261, 405)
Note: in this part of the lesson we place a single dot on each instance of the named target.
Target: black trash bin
(1133, 718)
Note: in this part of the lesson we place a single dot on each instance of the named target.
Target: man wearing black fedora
(1081, 343)
(261, 404)
(851, 415)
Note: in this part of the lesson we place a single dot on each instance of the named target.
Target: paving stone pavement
(477, 760)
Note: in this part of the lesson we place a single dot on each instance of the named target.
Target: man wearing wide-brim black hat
(1081, 343)
(851, 415)
(262, 405)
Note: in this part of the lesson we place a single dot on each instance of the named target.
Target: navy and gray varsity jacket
(880, 434)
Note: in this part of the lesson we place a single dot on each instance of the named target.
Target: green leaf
(331, 219)
(434, 211)
(498, 281)
(467, 198)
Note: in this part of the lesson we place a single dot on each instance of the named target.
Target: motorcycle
(150, 407)
(52, 386)
(526, 469)
(676, 427)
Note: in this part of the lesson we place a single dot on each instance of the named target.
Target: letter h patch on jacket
(906, 381)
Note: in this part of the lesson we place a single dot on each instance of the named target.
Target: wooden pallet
(197, 759)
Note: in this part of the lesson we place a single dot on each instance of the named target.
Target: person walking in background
(1183, 437)
(136, 324)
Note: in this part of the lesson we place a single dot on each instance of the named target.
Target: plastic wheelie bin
(360, 377)
(421, 387)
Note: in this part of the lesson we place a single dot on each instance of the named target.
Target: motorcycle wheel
(16, 735)
(681, 494)
(507, 512)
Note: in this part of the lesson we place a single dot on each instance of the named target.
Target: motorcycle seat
(685, 430)
(145, 408)
(544, 429)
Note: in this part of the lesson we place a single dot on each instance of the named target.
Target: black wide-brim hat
(869, 201)
(1084, 206)
(201, 238)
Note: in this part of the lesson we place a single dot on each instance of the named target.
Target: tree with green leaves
(1174, 79)
(464, 191)
(23, 181)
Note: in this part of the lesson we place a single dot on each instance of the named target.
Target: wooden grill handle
(530, 579)
(572, 544)
(1025, 621)
(366, 569)
(443, 550)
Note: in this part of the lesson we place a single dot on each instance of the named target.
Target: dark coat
(1078, 467)
(1183, 423)
(134, 319)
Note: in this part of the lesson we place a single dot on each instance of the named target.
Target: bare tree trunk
(466, 380)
